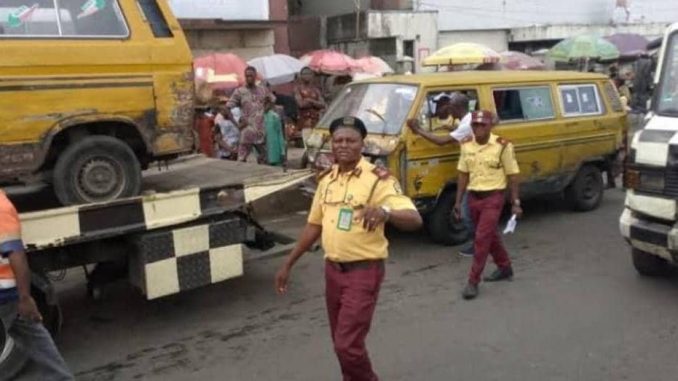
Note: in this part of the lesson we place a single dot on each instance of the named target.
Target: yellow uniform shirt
(487, 165)
(341, 193)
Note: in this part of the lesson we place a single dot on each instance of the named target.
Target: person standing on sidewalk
(251, 99)
(18, 311)
(456, 105)
(486, 167)
(353, 202)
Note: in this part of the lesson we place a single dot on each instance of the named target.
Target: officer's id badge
(345, 219)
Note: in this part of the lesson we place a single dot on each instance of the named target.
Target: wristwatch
(387, 211)
(516, 202)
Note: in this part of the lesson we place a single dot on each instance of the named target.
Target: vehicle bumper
(653, 237)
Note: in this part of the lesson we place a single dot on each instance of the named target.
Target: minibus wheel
(96, 169)
(586, 190)
(443, 228)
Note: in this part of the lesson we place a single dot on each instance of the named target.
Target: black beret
(349, 122)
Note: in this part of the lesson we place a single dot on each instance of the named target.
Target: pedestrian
(275, 139)
(353, 202)
(228, 134)
(486, 167)
(310, 102)
(251, 99)
(19, 313)
(456, 107)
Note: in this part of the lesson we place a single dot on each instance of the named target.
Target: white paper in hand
(511, 225)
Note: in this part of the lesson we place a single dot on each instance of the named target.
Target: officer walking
(486, 166)
(353, 202)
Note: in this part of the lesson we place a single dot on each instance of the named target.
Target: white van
(650, 218)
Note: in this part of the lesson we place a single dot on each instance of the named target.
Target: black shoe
(470, 291)
(467, 251)
(500, 274)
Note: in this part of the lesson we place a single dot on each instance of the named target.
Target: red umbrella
(330, 62)
(221, 70)
(511, 60)
(373, 65)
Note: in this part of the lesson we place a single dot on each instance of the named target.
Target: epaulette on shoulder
(323, 173)
(381, 172)
(503, 141)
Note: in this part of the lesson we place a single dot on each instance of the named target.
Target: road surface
(576, 310)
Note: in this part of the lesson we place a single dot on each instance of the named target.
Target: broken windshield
(383, 107)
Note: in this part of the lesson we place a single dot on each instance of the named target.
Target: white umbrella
(277, 69)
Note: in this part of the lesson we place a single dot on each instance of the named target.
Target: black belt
(350, 266)
(484, 194)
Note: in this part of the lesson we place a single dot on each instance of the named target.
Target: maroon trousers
(485, 213)
(351, 297)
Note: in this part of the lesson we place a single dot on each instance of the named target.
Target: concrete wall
(307, 33)
(558, 32)
(419, 27)
(495, 39)
(329, 7)
(505, 14)
(247, 44)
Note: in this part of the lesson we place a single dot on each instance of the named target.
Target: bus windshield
(667, 96)
(383, 107)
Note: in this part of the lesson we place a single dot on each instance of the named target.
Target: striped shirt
(10, 242)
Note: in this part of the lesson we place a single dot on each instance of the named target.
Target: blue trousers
(36, 342)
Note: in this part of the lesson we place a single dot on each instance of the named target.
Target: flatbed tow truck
(188, 229)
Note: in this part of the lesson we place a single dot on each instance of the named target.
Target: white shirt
(464, 129)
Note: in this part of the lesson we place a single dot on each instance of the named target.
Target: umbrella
(583, 47)
(630, 45)
(277, 69)
(511, 60)
(329, 62)
(462, 53)
(222, 71)
(373, 65)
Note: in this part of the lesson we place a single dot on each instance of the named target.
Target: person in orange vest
(18, 311)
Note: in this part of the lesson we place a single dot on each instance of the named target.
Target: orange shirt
(10, 241)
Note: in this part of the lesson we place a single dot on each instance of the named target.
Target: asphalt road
(576, 310)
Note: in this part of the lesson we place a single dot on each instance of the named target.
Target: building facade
(530, 25)
(250, 29)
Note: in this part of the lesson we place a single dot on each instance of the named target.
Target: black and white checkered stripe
(655, 147)
(652, 149)
(169, 261)
(69, 225)
(96, 221)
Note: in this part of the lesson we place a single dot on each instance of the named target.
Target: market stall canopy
(584, 47)
(330, 62)
(220, 70)
(462, 53)
(277, 69)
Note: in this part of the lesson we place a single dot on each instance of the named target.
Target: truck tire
(648, 264)
(441, 224)
(96, 169)
(586, 190)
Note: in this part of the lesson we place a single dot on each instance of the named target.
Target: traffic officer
(486, 167)
(353, 202)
